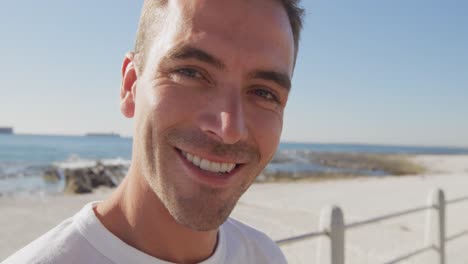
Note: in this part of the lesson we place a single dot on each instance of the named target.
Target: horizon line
(125, 136)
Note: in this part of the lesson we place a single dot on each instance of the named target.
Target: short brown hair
(295, 15)
(152, 13)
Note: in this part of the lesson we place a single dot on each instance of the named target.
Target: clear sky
(391, 72)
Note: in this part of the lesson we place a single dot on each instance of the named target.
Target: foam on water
(77, 163)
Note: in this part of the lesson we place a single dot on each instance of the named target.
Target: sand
(287, 209)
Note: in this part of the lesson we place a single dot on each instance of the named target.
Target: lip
(211, 179)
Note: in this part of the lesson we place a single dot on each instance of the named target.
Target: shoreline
(82, 176)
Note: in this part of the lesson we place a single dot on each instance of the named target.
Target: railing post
(435, 224)
(331, 249)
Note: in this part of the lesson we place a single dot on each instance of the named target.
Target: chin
(200, 213)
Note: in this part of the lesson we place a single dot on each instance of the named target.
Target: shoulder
(43, 249)
(247, 233)
(252, 243)
(62, 244)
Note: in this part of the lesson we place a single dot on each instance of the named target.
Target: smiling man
(207, 86)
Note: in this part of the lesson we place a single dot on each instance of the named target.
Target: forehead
(241, 32)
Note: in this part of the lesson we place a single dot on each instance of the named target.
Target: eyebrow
(189, 52)
(282, 79)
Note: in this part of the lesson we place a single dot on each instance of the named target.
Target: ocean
(24, 158)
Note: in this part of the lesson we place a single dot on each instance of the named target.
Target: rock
(76, 181)
(84, 180)
(51, 175)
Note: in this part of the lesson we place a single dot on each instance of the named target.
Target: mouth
(208, 165)
(216, 173)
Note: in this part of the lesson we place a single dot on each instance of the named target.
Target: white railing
(332, 226)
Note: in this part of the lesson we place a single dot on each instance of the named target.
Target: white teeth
(224, 167)
(204, 164)
(196, 160)
(209, 165)
(231, 166)
(190, 157)
(215, 166)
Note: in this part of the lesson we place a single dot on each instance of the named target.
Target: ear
(127, 90)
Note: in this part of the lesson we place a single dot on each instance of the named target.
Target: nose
(224, 120)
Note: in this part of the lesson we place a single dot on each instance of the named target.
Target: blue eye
(190, 73)
(267, 95)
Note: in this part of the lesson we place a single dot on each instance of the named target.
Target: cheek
(169, 105)
(265, 127)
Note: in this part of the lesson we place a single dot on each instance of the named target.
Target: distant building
(6, 130)
(102, 135)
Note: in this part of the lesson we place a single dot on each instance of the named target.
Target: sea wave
(25, 178)
(10, 169)
(75, 162)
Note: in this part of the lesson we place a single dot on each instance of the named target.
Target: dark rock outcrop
(51, 175)
(84, 180)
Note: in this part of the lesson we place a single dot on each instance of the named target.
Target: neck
(136, 216)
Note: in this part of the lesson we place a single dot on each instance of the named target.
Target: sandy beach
(284, 210)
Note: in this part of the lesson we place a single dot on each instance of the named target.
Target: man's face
(209, 104)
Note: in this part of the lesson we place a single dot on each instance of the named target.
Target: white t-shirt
(83, 239)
